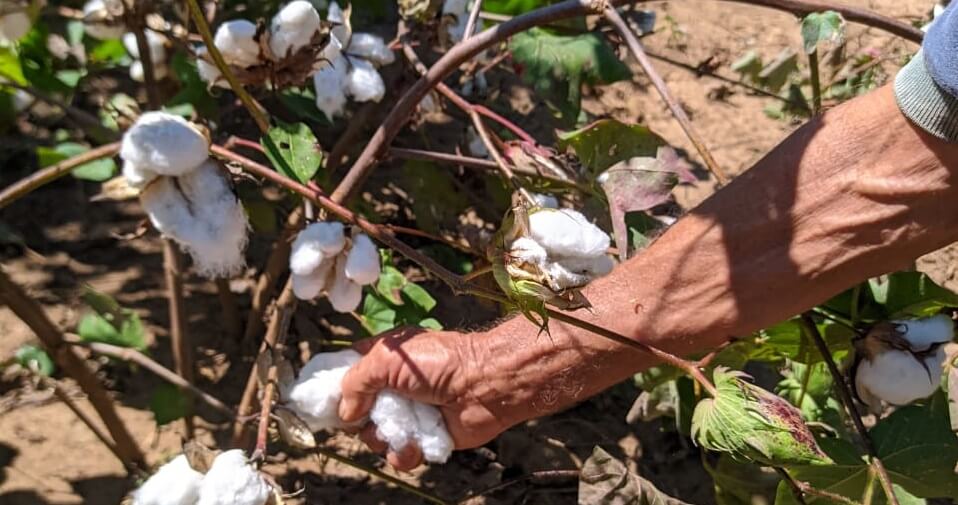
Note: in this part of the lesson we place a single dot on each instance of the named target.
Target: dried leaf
(199, 456)
(605, 480)
(293, 430)
(116, 189)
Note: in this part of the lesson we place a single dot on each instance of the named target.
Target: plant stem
(845, 395)
(179, 339)
(500, 163)
(146, 61)
(473, 18)
(30, 312)
(231, 314)
(816, 81)
(43, 176)
(278, 328)
(405, 486)
(255, 110)
(677, 111)
(792, 485)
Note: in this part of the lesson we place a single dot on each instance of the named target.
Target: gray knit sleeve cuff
(924, 102)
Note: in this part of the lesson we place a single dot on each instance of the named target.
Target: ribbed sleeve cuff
(924, 102)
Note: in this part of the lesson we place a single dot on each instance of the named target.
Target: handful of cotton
(901, 361)
(185, 194)
(157, 43)
(230, 480)
(315, 397)
(322, 259)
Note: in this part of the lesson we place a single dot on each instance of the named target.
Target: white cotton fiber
(208, 70)
(316, 393)
(330, 85)
(567, 233)
(344, 295)
(139, 75)
(235, 40)
(433, 438)
(363, 82)
(175, 483)
(315, 243)
(95, 13)
(200, 212)
(546, 201)
(15, 25)
(577, 272)
(362, 262)
(293, 28)
(231, 480)
(898, 377)
(341, 31)
(370, 47)
(137, 177)
(164, 143)
(921, 334)
(156, 42)
(526, 250)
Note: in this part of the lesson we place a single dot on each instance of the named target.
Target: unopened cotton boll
(293, 28)
(362, 262)
(165, 144)
(921, 334)
(231, 480)
(370, 47)
(200, 212)
(236, 42)
(344, 294)
(364, 83)
(314, 244)
(14, 25)
(567, 233)
(175, 483)
(137, 177)
(156, 42)
(899, 377)
(329, 83)
(317, 391)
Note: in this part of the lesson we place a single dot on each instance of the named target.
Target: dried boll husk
(165, 144)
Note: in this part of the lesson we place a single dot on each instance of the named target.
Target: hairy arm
(855, 193)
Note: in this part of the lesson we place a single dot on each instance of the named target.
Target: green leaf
(437, 201)
(302, 103)
(109, 52)
(514, 7)
(558, 65)
(377, 314)
(168, 404)
(390, 284)
(430, 323)
(738, 483)
(820, 27)
(608, 141)
(605, 480)
(10, 69)
(110, 323)
(97, 171)
(748, 422)
(912, 294)
(30, 356)
(418, 296)
(262, 215)
(294, 150)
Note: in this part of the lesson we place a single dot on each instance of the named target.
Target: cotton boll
(164, 143)
(95, 15)
(317, 391)
(14, 25)
(200, 212)
(547, 201)
(527, 250)
(236, 42)
(433, 438)
(921, 334)
(315, 243)
(341, 31)
(595, 266)
(154, 40)
(395, 419)
(329, 83)
(567, 233)
(344, 295)
(362, 262)
(561, 278)
(137, 177)
(898, 377)
(231, 480)
(364, 83)
(175, 483)
(370, 47)
(310, 285)
(293, 28)
(139, 75)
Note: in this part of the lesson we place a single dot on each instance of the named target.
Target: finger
(368, 437)
(364, 345)
(405, 460)
(362, 382)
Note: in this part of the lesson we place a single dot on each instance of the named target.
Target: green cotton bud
(750, 423)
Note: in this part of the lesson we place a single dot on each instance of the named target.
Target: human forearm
(855, 193)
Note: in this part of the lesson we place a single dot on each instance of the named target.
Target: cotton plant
(185, 193)
(323, 259)
(314, 397)
(230, 479)
(156, 42)
(901, 361)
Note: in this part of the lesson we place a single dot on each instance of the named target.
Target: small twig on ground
(845, 395)
(540, 477)
(405, 486)
(49, 174)
(677, 111)
(30, 312)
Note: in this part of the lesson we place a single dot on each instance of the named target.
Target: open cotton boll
(344, 295)
(309, 286)
(577, 272)
(363, 82)
(362, 262)
(236, 42)
(14, 25)
(595, 266)
(231, 480)
(527, 250)
(401, 422)
(921, 334)
(175, 483)
(898, 377)
(316, 393)
(200, 212)
(330, 83)
(370, 47)
(156, 41)
(137, 177)
(567, 233)
(433, 438)
(293, 28)
(314, 244)
(164, 143)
